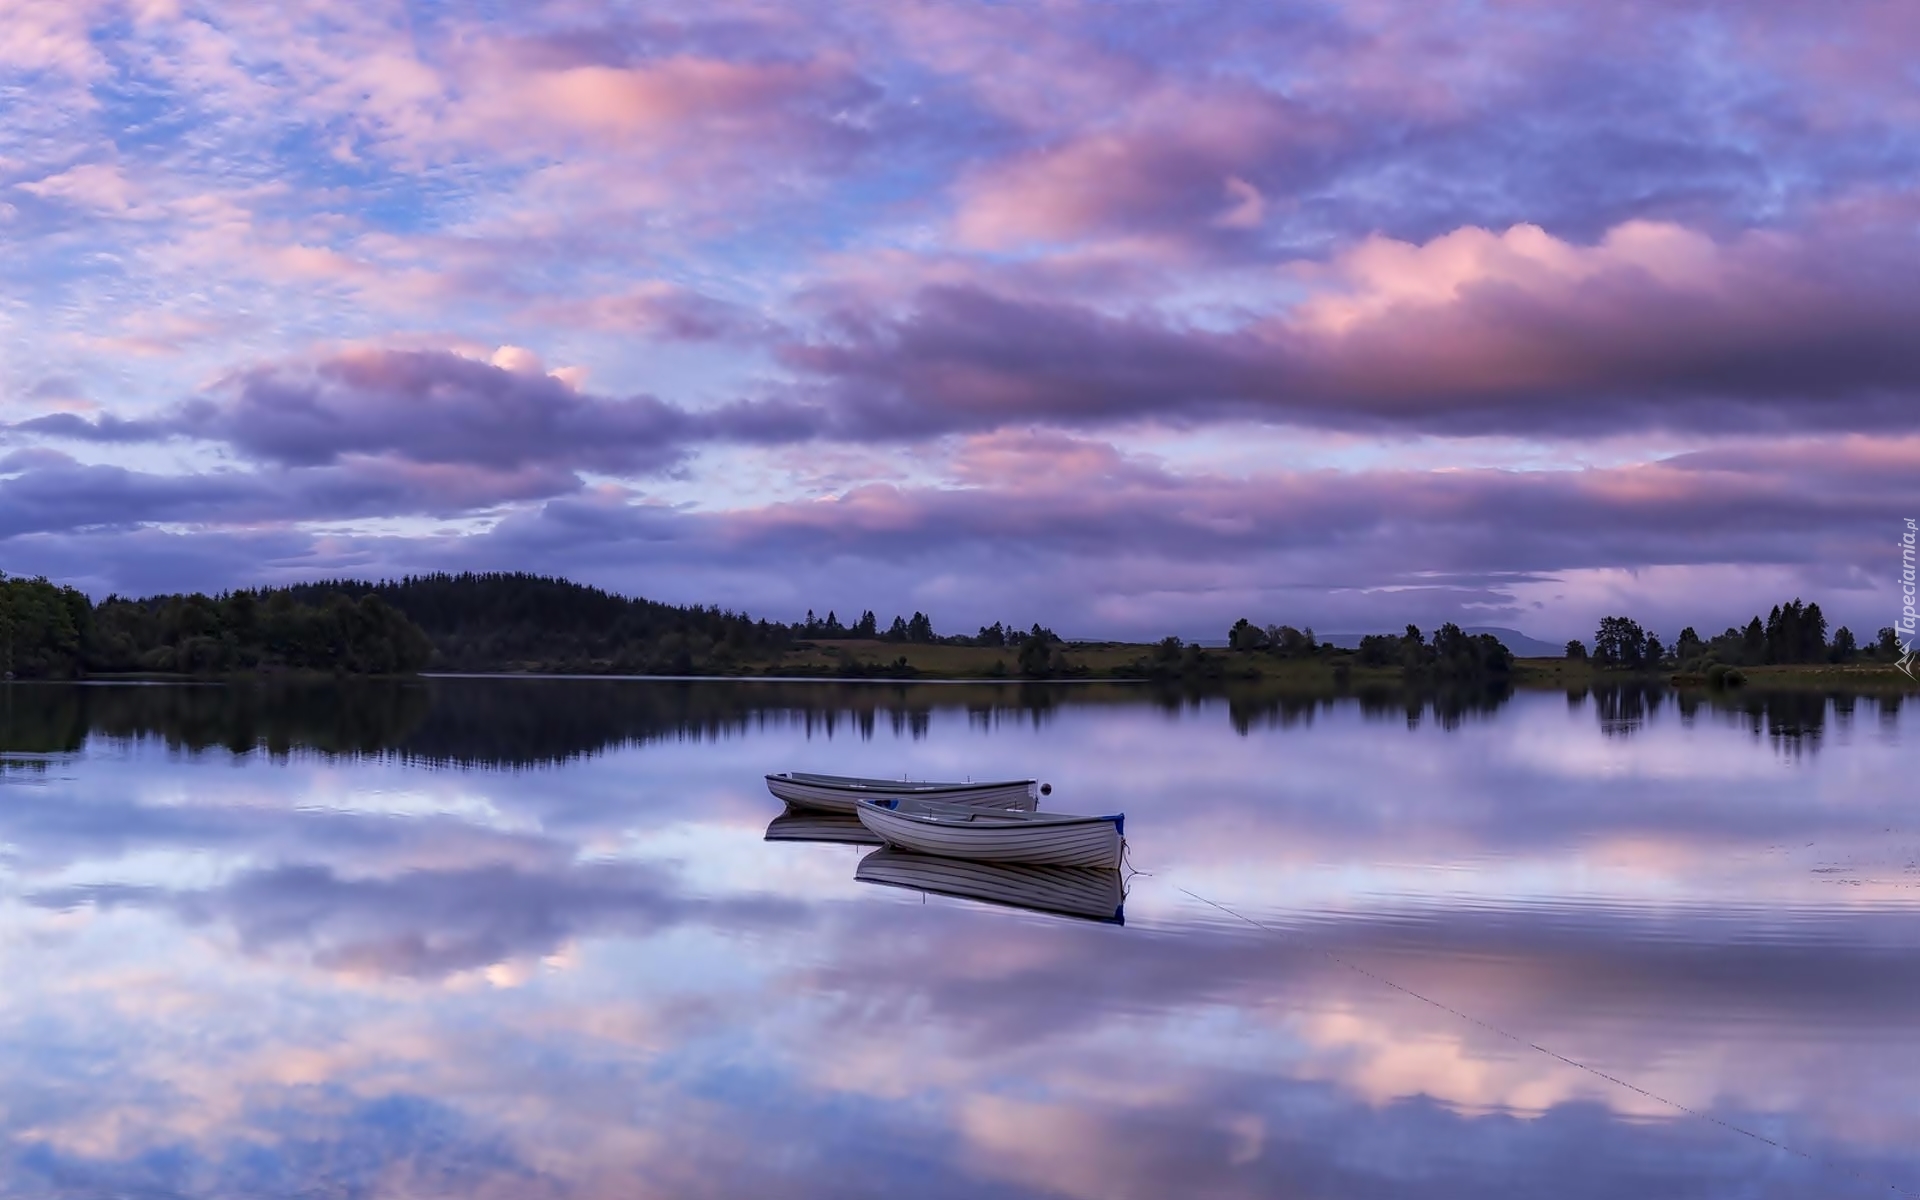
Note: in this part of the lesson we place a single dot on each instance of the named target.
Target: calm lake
(528, 938)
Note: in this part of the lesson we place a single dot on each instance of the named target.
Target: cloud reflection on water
(386, 972)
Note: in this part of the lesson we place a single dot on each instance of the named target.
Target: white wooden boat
(988, 835)
(802, 825)
(1092, 893)
(842, 793)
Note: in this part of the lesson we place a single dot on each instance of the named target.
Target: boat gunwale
(894, 787)
(1006, 818)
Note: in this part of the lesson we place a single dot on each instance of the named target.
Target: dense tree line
(505, 621)
(52, 632)
(1794, 632)
(249, 630)
(508, 621)
(1453, 653)
(514, 621)
(1039, 651)
(43, 629)
(917, 629)
(1282, 641)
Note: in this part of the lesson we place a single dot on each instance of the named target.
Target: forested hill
(492, 622)
(505, 621)
(514, 621)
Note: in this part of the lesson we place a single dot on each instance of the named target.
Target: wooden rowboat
(988, 835)
(800, 825)
(1091, 893)
(843, 793)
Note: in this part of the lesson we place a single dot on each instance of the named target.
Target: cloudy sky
(1131, 318)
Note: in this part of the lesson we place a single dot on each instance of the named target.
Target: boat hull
(845, 797)
(1041, 839)
(1090, 893)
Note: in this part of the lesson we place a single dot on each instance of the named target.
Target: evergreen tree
(1813, 634)
(1688, 645)
(1796, 633)
(1774, 648)
(1843, 646)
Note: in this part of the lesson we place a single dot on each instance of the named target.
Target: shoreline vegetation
(524, 624)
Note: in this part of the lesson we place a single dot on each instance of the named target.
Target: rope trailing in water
(1596, 1072)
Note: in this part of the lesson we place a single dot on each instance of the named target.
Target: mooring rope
(1518, 1039)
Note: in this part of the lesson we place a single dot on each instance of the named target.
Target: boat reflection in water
(1090, 893)
(806, 825)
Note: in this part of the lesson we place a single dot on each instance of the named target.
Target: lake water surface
(522, 938)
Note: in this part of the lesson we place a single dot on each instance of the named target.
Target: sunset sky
(1128, 318)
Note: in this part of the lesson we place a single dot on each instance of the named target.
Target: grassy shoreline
(1555, 672)
(848, 660)
(1119, 660)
